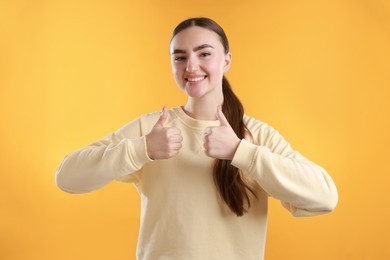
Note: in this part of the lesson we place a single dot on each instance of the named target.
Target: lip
(195, 78)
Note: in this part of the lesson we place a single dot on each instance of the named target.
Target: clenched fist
(221, 142)
(163, 142)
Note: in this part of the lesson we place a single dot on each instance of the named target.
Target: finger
(176, 146)
(176, 139)
(221, 117)
(180, 139)
(163, 117)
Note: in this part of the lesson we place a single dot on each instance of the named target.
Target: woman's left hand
(221, 142)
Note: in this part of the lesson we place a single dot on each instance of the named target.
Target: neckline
(192, 122)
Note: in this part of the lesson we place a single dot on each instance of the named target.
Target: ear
(228, 60)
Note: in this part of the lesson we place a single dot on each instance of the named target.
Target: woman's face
(199, 61)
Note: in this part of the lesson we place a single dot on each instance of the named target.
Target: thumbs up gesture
(221, 142)
(163, 142)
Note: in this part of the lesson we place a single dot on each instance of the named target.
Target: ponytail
(229, 180)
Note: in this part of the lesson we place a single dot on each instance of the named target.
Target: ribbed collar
(192, 122)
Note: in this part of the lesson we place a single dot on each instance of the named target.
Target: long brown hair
(232, 185)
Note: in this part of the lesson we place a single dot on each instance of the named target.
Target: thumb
(221, 117)
(163, 117)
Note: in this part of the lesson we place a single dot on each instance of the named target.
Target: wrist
(147, 148)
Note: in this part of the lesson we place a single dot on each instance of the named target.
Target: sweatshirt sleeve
(115, 157)
(303, 187)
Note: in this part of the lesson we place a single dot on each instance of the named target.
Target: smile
(196, 79)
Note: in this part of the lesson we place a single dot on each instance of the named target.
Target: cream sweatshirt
(182, 215)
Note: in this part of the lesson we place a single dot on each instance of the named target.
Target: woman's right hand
(163, 142)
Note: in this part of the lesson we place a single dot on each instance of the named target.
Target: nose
(192, 64)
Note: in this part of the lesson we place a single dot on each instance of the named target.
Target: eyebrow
(200, 47)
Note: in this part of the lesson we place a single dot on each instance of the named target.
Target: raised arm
(303, 187)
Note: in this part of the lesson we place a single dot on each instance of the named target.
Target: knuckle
(172, 139)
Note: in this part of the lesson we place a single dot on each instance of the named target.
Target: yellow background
(72, 71)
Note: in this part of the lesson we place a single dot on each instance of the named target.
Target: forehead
(195, 36)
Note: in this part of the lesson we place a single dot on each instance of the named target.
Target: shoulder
(256, 125)
(152, 117)
(137, 126)
(145, 122)
(261, 132)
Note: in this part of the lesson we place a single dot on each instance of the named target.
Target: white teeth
(195, 79)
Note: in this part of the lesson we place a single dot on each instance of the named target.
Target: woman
(204, 171)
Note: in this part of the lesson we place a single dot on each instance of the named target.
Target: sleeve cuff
(138, 155)
(246, 155)
(243, 158)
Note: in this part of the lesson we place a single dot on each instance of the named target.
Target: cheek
(216, 67)
(217, 64)
(177, 74)
(175, 71)
(177, 68)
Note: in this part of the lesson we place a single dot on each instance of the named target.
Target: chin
(194, 95)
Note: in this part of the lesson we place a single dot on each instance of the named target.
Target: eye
(179, 59)
(205, 54)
